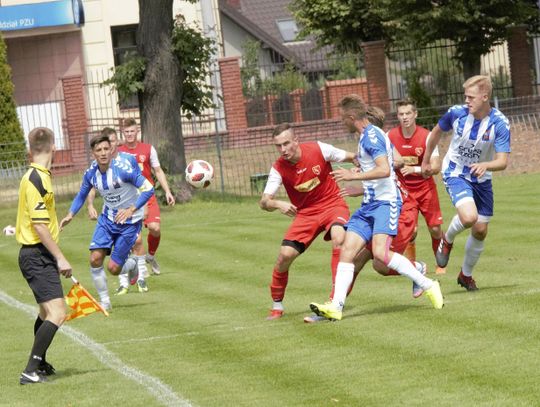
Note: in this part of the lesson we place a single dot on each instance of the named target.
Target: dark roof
(258, 17)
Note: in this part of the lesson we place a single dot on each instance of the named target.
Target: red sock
(333, 266)
(153, 243)
(435, 244)
(279, 284)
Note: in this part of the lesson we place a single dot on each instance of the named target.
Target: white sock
(141, 265)
(473, 250)
(344, 277)
(454, 229)
(404, 267)
(100, 282)
(277, 305)
(123, 277)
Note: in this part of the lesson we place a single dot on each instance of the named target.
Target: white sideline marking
(162, 392)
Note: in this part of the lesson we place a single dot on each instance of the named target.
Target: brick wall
(519, 54)
(333, 91)
(76, 119)
(375, 65)
(233, 98)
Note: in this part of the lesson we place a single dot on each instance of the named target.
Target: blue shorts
(460, 189)
(378, 217)
(122, 237)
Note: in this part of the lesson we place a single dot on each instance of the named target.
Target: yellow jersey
(36, 205)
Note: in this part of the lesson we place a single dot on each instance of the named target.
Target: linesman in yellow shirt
(40, 259)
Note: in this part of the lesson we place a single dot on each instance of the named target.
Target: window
(124, 42)
(287, 29)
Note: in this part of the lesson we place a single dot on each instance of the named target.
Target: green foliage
(285, 81)
(343, 24)
(194, 53)
(346, 66)
(12, 147)
(502, 85)
(127, 78)
(250, 72)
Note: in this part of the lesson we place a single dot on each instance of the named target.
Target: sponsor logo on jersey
(316, 169)
(410, 160)
(300, 171)
(308, 185)
(469, 152)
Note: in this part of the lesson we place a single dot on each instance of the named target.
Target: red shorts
(153, 211)
(305, 228)
(427, 201)
(406, 225)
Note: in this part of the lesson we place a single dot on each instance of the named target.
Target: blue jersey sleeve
(502, 137)
(374, 143)
(445, 122)
(86, 186)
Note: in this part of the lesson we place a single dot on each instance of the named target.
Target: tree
(168, 73)
(475, 26)
(12, 146)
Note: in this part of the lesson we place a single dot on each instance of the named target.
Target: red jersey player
(410, 141)
(148, 161)
(315, 203)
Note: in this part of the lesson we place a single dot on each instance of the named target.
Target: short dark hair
(40, 140)
(100, 138)
(406, 102)
(354, 105)
(128, 122)
(107, 131)
(280, 128)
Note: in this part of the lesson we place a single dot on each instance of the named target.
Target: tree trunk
(471, 66)
(162, 96)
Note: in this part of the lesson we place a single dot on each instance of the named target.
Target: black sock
(42, 341)
(37, 324)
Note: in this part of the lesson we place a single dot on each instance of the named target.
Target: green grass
(201, 331)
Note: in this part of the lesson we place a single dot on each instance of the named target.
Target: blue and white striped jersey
(373, 143)
(473, 141)
(121, 186)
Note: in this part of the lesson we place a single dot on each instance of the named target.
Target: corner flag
(81, 302)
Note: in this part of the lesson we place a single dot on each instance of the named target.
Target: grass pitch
(199, 336)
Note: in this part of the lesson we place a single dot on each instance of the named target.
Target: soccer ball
(9, 230)
(199, 173)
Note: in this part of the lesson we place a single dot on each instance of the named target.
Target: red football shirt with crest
(308, 182)
(142, 153)
(412, 150)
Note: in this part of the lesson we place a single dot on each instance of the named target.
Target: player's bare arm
(45, 237)
(268, 203)
(381, 170)
(92, 212)
(432, 142)
(64, 222)
(162, 178)
(498, 164)
(398, 159)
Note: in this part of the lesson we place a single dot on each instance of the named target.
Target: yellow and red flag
(81, 303)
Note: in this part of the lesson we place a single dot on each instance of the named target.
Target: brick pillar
(77, 121)
(375, 65)
(233, 98)
(518, 52)
(296, 96)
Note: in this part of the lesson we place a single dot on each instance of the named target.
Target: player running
(480, 144)
(125, 191)
(147, 158)
(410, 141)
(315, 204)
(377, 218)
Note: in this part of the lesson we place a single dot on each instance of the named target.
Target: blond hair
(482, 81)
(354, 105)
(40, 140)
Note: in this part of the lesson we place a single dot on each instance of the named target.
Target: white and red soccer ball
(9, 230)
(199, 173)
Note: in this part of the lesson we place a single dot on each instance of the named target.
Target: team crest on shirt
(316, 169)
(418, 151)
(485, 137)
(142, 158)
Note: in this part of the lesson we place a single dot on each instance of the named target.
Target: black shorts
(40, 270)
